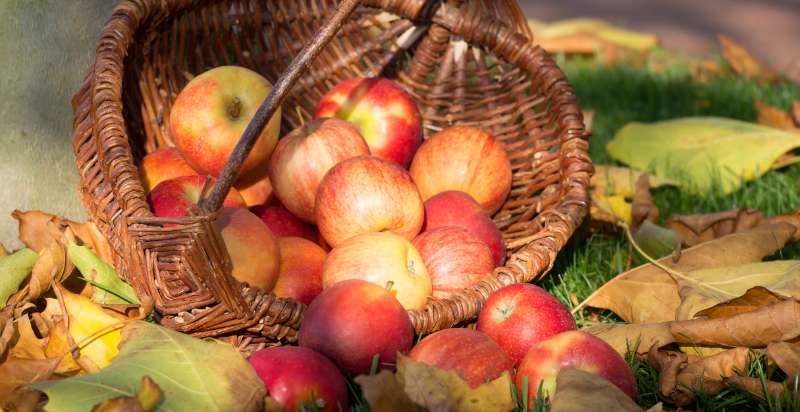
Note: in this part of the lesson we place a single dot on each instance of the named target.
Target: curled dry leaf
(626, 337)
(774, 323)
(8, 330)
(145, 400)
(774, 117)
(695, 229)
(580, 391)
(38, 229)
(648, 294)
(754, 298)
(742, 62)
(755, 387)
(669, 364)
(707, 374)
(384, 393)
(51, 266)
(27, 345)
(439, 390)
(642, 208)
(16, 372)
(787, 356)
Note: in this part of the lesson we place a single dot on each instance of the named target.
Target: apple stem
(235, 108)
(389, 285)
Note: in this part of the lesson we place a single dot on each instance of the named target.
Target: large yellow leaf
(585, 35)
(704, 151)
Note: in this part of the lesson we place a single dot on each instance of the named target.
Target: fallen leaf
(15, 372)
(580, 391)
(109, 288)
(669, 364)
(742, 62)
(14, 269)
(617, 180)
(439, 390)
(384, 393)
(611, 209)
(755, 387)
(774, 117)
(774, 323)
(696, 229)
(648, 294)
(706, 374)
(657, 241)
(786, 356)
(753, 299)
(8, 331)
(27, 345)
(146, 399)
(591, 36)
(51, 266)
(705, 152)
(195, 374)
(625, 337)
(38, 229)
(642, 207)
(706, 288)
(796, 112)
(3, 250)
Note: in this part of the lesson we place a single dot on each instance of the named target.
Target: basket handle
(272, 102)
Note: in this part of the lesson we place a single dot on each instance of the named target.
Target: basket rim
(98, 120)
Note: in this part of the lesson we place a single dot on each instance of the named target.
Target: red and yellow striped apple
(163, 164)
(300, 273)
(179, 196)
(386, 115)
(455, 259)
(256, 191)
(251, 246)
(283, 223)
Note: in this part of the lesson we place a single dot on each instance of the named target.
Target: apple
(386, 115)
(520, 316)
(163, 164)
(384, 259)
(455, 259)
(572, 349)
(300, 273)
(454, 208)
(302, 159)
(300, 379)
(470, 353)
(211, 113)
(251, 246)
(283, 223)
(466, 159)
(257, 191)
(354, 321)
(179, 196)
(367, 194)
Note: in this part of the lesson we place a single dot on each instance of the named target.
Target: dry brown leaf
(580, 391)
(3, 250)
(38, 229)
(707, 374)
(439, 390)
(384, 393)
(647, 294)
(742, 62)
(51, 266)
(774, 117)
(795, 111)
(696, 229)
(624, 337)
(755, 387)
(786, 356)
(15, 372)
(8, 330)
(669, 364)
(753, 299)
(146, 399)
(642, 206)
(774, 323)
(27, 344)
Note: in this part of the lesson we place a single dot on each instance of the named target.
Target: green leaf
(194, 374)
(109, 288)
(703, 151)
(657, 241)
(14, 269)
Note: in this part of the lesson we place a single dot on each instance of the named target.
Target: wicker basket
(463, 62)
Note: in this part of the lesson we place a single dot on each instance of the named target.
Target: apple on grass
(367, 194)
(384, 259)
(572, 349)
(455, 259)
(163, 164)
(520, 316)
(465, 159)
(469, 353)
(178, 197)
(284, 223)
(383, 112)
(454, 208)
(302, 159)
(300, 379)
(251, 246)
(300, 273)
(353, 322)
(211, 113)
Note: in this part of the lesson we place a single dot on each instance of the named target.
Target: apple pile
(357, 217)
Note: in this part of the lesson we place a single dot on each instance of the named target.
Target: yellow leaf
(28, 345)
(621, 181)
(439, 390)
(594, 29)
(611, 209)
(384, 393)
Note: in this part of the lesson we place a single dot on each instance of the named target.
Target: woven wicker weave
(463, 62)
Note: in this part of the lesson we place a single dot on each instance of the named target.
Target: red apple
(163, 164)
(386, 115)
(520, 316)
(179, 196)
(210, 114)
(252, 247)
(354, 321)
(466, 159)
(300, 273)
(256, 192)
(367, 194)
(471, 354)
(454, 208)
(284, 223)
(572, 349)
(302, 159)
(455, 259)
(381, 258)
(300, 379)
